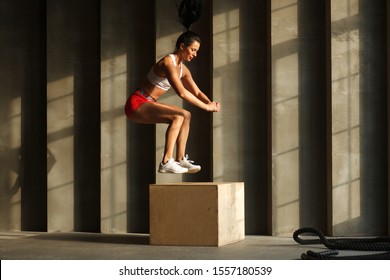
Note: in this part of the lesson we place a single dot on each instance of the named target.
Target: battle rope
(354, 244)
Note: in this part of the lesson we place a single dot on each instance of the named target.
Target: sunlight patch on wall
(14, 123)
(345, 111)
(60, 107)
(341, 8)
(226, 38)
(226, 89)
(166, 45)
(284, 21)
(218, 131)
(60, 118)
(10, 142)
(285, 116)
(113, 67)
(114, 89)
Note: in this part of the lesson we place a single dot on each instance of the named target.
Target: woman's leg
(178, 121)
(182, 138)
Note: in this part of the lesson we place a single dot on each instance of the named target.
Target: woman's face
(190, 52)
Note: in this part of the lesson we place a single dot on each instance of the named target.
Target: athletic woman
(143, 106)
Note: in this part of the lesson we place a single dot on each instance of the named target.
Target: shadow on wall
(10, 163)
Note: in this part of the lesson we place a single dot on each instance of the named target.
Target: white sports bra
(162, 82)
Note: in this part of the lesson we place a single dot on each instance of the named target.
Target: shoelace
(186, 158)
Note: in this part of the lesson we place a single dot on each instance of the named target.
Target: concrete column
(285, 117)
(115, 21)
(345, 113)
(141, 165)
(373, 118)
(73, 119)
(388, 109)
(33, 115)
(128, 166)
(228, 157)
(60, 114)
(358, 117)
(255, 102)
(241, 82)
(12, 85)
(314, 113)
(87, 117)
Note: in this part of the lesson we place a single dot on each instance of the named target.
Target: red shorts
(135, 100)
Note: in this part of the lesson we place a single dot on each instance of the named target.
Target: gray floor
(91, 246)
(128, 246)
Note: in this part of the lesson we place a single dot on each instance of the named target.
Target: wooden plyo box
(197, 214)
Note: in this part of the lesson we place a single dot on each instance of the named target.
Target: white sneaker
(186, 163)
(172, 167)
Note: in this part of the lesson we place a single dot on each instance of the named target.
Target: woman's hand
(213, 106)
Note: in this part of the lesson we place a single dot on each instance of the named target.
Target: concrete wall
(23, 116)
(359, 124)
(127, 41)
(73, 108)
(304, 123)
(241, 82)
(299, 114)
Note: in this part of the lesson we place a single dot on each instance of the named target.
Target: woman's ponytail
(189, 11)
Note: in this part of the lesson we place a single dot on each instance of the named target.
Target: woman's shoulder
(169, 59)
(164, 61)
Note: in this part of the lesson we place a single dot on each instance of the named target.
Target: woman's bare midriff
(151, 89)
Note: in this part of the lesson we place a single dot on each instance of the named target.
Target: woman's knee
(181, 117)
(186, 115)
(178, 119)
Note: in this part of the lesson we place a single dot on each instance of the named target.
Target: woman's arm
(173, 78)
(192, 87)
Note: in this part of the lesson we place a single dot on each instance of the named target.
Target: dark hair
(187, 38)
(189, 11)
